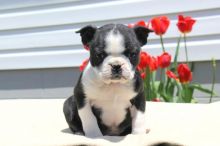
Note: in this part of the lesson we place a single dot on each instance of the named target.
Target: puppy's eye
(100, 55)
(132, 55)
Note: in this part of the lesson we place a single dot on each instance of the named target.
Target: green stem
(162, 89)
(186, 50)
(148, 87)
(165, 77)
(177, 52)
(145, 89)
(192, 66)
(179, 89)
(185, 92)
(154, 92)
(161, 74)
(161, 41)
(213, 78)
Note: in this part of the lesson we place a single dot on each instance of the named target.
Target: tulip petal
(185, 24)
(160, 25)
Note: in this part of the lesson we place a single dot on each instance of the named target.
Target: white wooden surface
(42, 123)
(40, 34)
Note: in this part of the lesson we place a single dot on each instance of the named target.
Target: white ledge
(41, 123)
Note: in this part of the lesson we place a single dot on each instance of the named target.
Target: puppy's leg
(138, 122)
(89, 121)
(72, 116)
(138, 116)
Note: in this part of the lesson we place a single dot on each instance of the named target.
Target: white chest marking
(113, 99)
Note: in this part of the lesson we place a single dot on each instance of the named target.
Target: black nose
(116, 69)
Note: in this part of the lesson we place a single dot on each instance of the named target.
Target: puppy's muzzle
(116, 72)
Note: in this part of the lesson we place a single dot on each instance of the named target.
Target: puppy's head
(114, 50)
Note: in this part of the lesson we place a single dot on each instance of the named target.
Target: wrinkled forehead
(115, 39)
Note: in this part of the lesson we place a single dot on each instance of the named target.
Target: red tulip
(156, 100)
(142, 23)
(153, 64)
(185, 24)
(147, 61)
(83, 65)
(185, 75)
(170, 74)
(164, 60)
(138, 68)
(144, 60)
(160, 24)
(139, 23)
(143, 75)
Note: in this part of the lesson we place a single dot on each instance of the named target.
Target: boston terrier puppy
(109, 96)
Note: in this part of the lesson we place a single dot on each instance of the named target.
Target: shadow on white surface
(113, 139)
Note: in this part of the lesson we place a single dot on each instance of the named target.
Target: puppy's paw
(79, 133)
(140, 131)
(94, 133)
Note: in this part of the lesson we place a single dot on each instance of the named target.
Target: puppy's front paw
(79, 133)
(92, 133)
(140, 131)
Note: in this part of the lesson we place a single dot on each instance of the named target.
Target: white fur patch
(138, 121)
(113, 101)
(113, 98)
(89, 122)
(114, 43)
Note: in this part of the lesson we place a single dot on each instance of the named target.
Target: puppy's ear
(142, 34)
(87, 33)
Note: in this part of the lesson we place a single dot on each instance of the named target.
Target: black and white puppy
(109, 96)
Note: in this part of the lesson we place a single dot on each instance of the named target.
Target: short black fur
(142, 34)
(87, 33)
(71, 106)
(72, 117)
(79, 94)
(139, 100)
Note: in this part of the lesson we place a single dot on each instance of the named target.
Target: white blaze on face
(115, 48)
(114, 43)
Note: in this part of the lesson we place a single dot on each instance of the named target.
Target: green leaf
(202, 89)
(170, 90)
(187, 93)
(179, 89)
(177, 52)
(165, 97)
(194, 100)
(167, 83)
(192, 66)
(160, 89)
(179, 100)
(148, 85)
(157, 84)
(153, 89)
